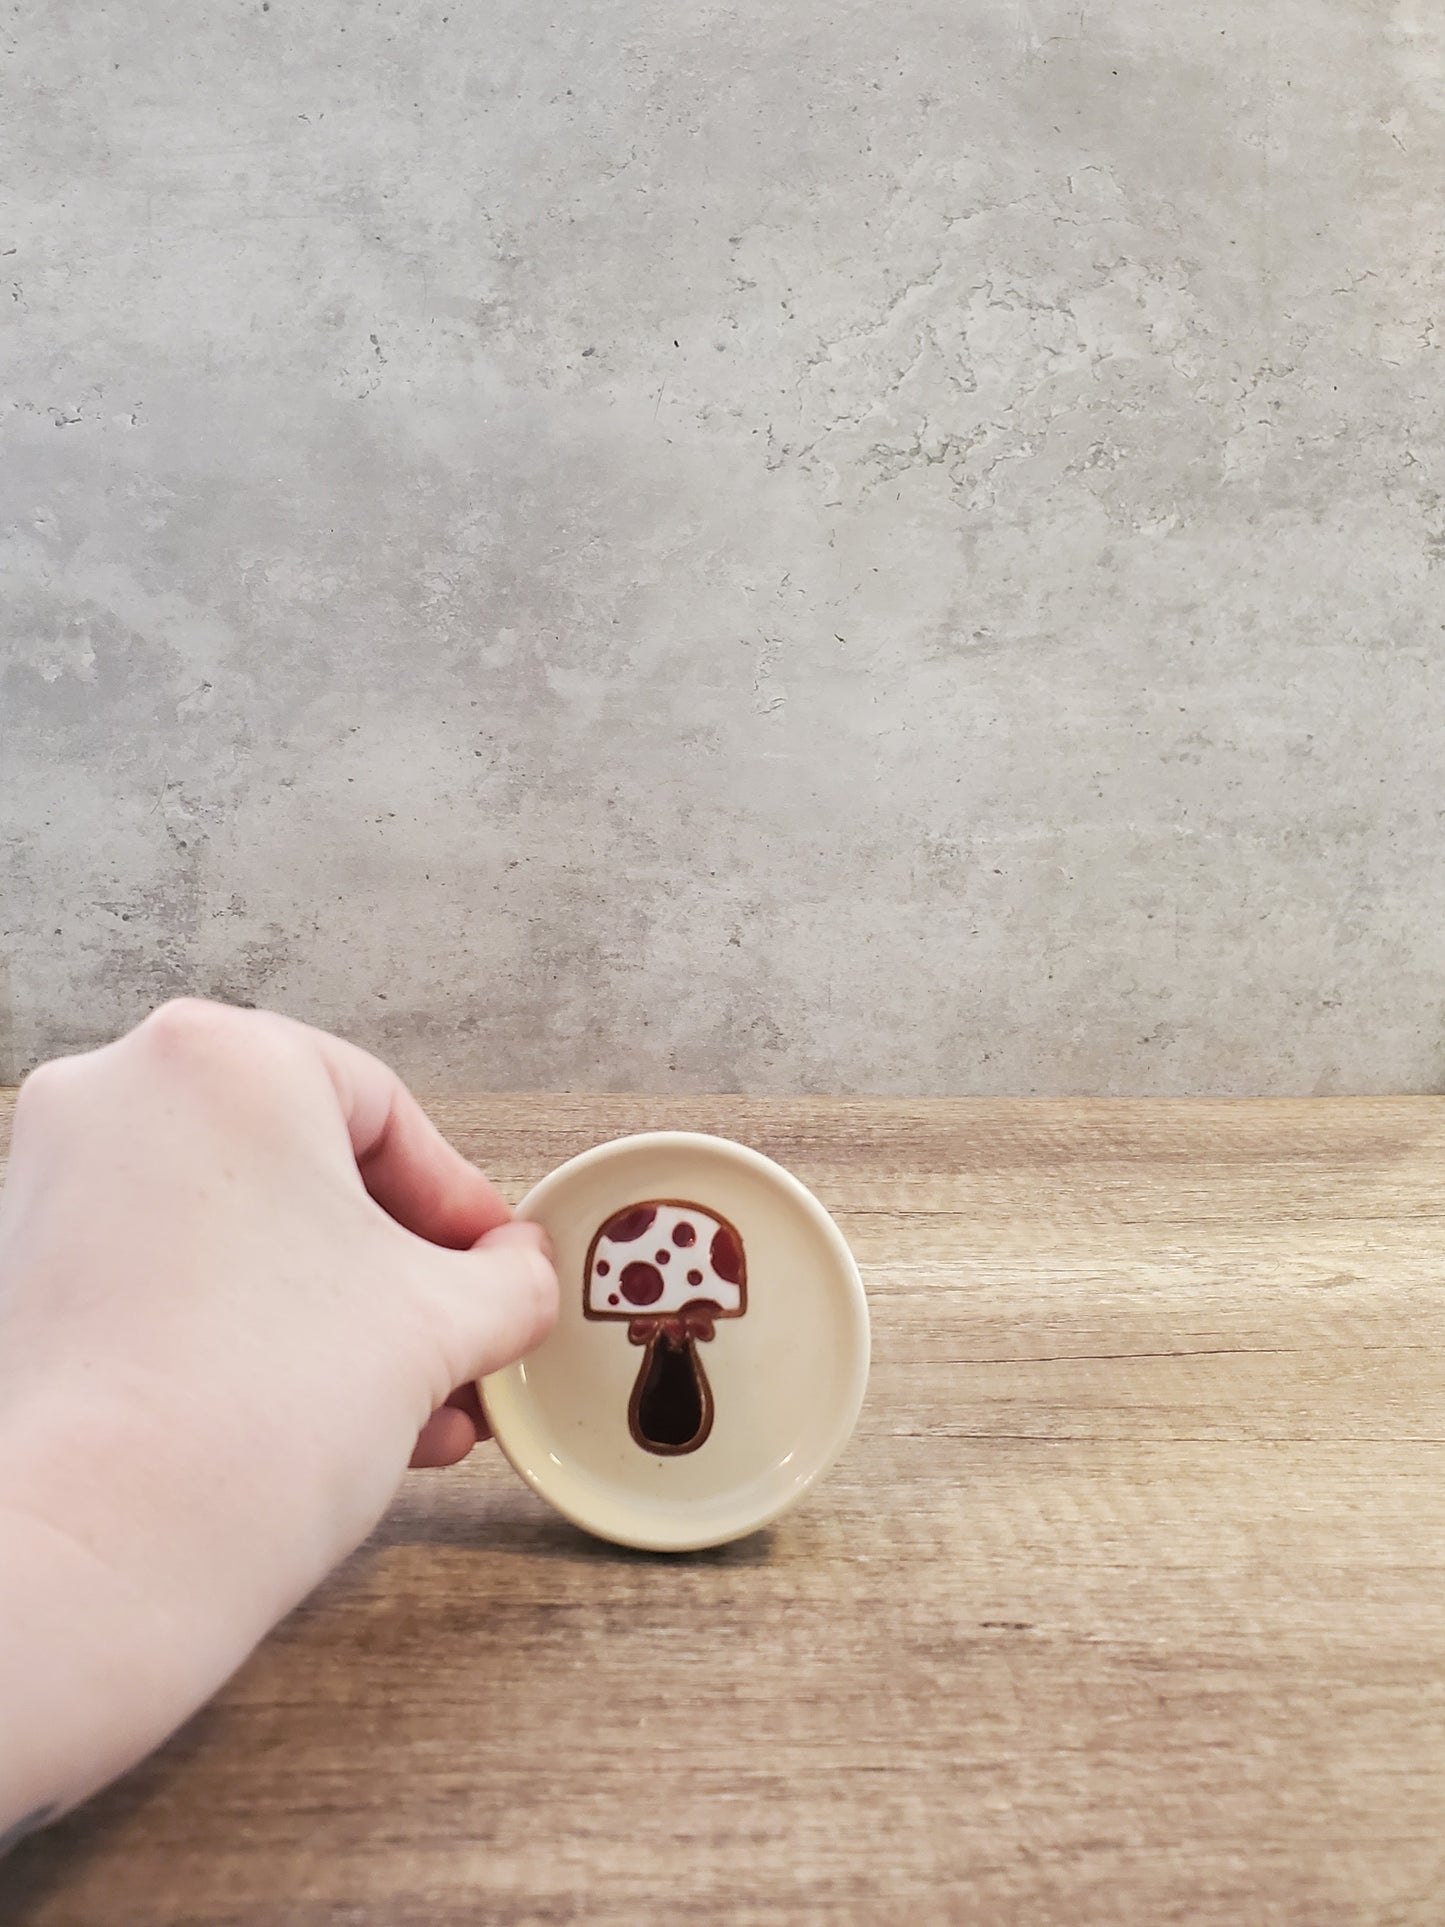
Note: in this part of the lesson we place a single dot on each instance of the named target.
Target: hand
(242, 1279)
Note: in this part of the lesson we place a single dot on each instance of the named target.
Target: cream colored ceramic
(711, 1353)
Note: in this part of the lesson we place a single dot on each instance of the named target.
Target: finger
(445, 1439)
(442, 1441)
(498, 1300)
(466, 1399)
(405, 1162)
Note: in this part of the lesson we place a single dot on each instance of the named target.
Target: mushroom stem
(671, 1408)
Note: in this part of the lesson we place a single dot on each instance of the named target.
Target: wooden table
(1126, 1605)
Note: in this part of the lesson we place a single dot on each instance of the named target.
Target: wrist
(99, 1658)
(86, 1685)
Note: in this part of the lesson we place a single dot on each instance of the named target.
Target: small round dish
(711, 1352)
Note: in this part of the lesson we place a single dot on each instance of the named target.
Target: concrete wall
(788, 544)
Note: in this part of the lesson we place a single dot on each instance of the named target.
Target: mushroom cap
(653, 1258)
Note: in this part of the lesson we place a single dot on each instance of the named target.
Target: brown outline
(628, 1313)
(634, 1314)
(634, 1404)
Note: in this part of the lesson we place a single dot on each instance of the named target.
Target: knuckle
(184, 1022)
(194, 1043)
(191, 1030)
(46, 1090)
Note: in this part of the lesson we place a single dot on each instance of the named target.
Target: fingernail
(543, 1242)
(518, 1231)
(546, 1271)
(521, 1231)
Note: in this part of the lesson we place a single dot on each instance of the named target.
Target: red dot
(727, 1255)
(663, 1257)
(612, 1298)
(629, 1224)
(603, 1267)
(694, 1277)
(641, 1284)
(684, 1234)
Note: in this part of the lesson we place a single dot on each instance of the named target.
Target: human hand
(243, 1280)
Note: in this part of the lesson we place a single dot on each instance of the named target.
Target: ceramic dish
(711, 1352)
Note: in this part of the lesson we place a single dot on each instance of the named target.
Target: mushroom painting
(668, 1270)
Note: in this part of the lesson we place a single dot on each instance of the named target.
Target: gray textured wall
(790, 544)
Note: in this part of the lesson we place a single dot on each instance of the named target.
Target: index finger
(406, 1164)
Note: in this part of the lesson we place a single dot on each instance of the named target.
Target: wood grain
(1127, 1604)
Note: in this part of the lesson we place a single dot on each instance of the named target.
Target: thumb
(501, 1300)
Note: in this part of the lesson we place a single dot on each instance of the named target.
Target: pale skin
(243, 1283)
